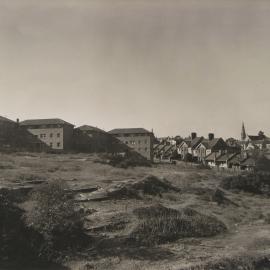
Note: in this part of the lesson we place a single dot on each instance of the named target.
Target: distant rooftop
(129, 131)
(90, 128)
(209, 144)
(51, 121)
(4, 119)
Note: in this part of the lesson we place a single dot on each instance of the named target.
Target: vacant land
(161, 217)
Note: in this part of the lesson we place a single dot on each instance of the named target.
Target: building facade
(138, 139)
(56, 133)
(210, 145)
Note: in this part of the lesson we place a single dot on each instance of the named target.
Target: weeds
(158, 224)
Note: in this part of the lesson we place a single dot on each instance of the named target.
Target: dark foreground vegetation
(47, 232)
(257, 183)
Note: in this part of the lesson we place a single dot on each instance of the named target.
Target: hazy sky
(174, 66)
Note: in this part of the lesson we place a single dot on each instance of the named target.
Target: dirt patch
(158, 224)
(129, 189)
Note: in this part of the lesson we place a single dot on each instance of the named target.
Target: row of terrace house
(198, 148)
(252, 151)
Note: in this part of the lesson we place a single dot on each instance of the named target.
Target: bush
(158, 224)
(257, 183)
(55, 218)
(18, 243)
(130, 159)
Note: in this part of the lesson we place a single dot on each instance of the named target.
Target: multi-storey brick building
(139, 139)
(56, 133)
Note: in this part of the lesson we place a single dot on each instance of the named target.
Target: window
(51, 144)
(51, 135)
(126, 142)
(42, 135)
(58, 135)
(139, 142)
(58, 144)
(145, 149)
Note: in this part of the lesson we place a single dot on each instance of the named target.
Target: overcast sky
(174, 66)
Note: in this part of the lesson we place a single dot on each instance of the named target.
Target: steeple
(243, 132)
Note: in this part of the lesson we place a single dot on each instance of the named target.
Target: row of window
(134, 142)
(42, 136)
(131, 135)
(58, 144)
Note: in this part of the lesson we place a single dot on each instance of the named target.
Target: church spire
(243, 132)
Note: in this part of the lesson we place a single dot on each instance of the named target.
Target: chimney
(193, 135)
(211, 136)
(18, 120)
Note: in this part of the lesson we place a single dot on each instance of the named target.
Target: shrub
(17, 241)
(55, 218)
(257, 183)
(130, 159)
(158, 224)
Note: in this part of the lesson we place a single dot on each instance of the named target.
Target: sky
(171, 66)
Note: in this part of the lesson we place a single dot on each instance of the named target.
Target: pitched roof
(209, 144)
(4, 119)
(185, 141)
(51, 121)
(249, 162)
(237, 159)
(167, 148)
(129, 131)
(211, 157)
(257, 137)
(159, 147)
(226, 157)
(90, 128)
(195, 142)
(155, 146)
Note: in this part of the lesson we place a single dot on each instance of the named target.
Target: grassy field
(121, 193)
